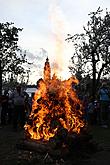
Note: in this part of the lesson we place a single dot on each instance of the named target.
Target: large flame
(55, 105)
(58, 34)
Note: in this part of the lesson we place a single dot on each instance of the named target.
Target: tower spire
(47, 70)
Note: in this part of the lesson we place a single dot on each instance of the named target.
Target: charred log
(62, 145)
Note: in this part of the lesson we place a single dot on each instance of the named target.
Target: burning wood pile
(56, 125)
(56, 107)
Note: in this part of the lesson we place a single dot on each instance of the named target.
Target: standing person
(19, 108)
(10, 108)
(85, 105)
(90, 111)
(4, 105)
(104, 98)
(27, 105)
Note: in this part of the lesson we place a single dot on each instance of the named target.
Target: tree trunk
(94, 77)
(0, 79)
(99, 74)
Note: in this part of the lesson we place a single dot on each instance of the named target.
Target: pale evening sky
(46, 24)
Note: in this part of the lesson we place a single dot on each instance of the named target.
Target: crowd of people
(15, 108)
(98, 111)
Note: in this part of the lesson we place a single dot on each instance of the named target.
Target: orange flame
(55, 104)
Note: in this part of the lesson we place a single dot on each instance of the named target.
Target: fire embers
(55, 107)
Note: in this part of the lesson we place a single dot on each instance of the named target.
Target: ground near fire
(10, 155)
(56, 132)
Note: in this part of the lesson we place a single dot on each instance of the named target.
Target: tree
(93, 48)
(11, 56)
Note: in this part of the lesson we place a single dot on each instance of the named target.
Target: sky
(46, 24)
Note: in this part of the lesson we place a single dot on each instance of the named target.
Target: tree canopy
(92, 48)
(11, 56)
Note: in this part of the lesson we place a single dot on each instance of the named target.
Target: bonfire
(55, 107)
